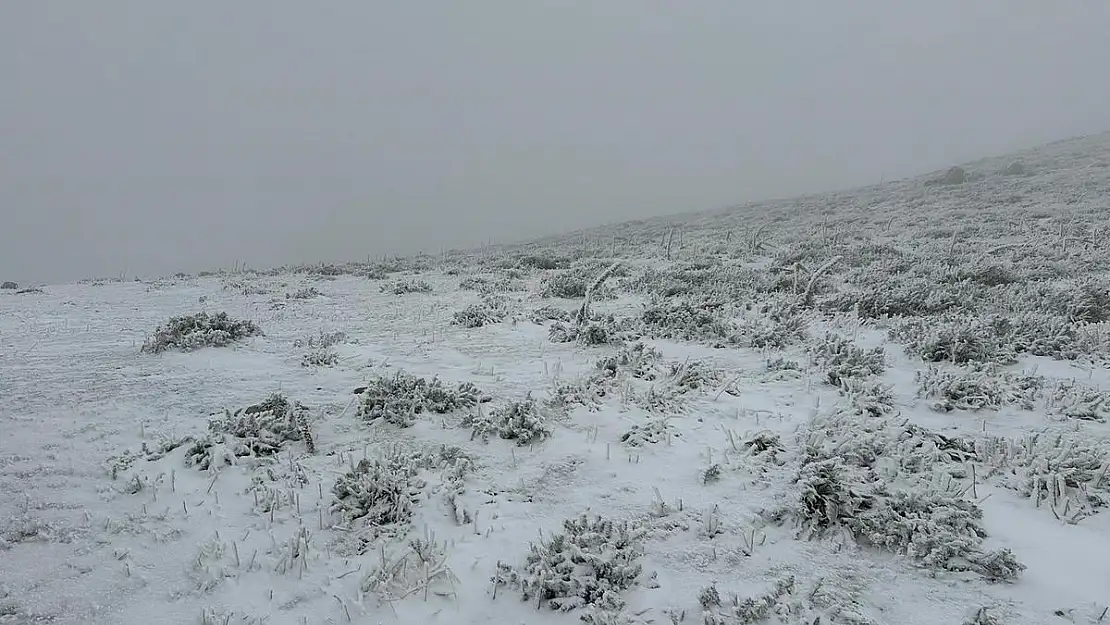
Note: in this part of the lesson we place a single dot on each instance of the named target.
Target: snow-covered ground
(832, 406)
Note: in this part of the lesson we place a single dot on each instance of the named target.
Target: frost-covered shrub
(546, 263)
(682, 320)
(998, 339)
(405, 286)
(573, 284)
(9, 285)
(959, 340)
(400, 398)
(564, 285)
(590, 564)
(708, 277)
(320, 357)
(939, 530)
(987, 275)
(978, 389)
(490, 286)
(1078, 402)
(302, 294)
(654, 430)
(839, 487)
(200, 330)
(1069, 473)
(321, 340)
(777, 326)
(379, 494)
(765, 445)
(691, 375)
(880, 296)
(321, 349)
(489, 310)
(259, 430)
(1089, 302)
(638, 360)
(748, 611)
(868, 397)
(840, 358)
(599, 330)
(544, 314)
(516, 421)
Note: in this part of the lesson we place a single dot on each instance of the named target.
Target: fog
(147, 137)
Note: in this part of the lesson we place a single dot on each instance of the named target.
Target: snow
(258, 541)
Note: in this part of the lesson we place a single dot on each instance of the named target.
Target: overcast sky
(150, 137)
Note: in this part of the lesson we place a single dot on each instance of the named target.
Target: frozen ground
(723, 398)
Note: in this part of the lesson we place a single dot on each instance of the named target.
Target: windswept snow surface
(706, 434)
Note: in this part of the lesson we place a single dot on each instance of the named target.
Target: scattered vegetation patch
(588, 565)
(193, 332)
(406, 286)
(683, 320)
(517, 421)
(1062, 472)
(841, 359)
(488, 311)
(321, 349)
(544, 314)
(401, 398)
(257, 431)
(306, 293)
(379, 495)
(976, 389)
(840, 487)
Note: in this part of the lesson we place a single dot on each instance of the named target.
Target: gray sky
(151, 137)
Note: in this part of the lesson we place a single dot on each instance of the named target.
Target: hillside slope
(887, 405)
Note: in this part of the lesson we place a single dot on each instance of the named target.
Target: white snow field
(885, 405)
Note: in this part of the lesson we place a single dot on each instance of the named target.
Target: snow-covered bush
(406, 286)
(640, 361)
(9, 285)
(192, 332)
(573, 284)
(320, 357)
(956, 339)
(302, 294)
(544, 314)
(516, 421)
(682, 320)
(1088, 301)
(489, 310)
(654, 430)
(880, 296)
(839, 486)
(841, 359)
(258, 431)
(777, 325)
(379, 495)
(321, 349)
(491, 286)
(691, 375)
(401, 398)
(977, 389)
(590, 564)
(599, 330)
(748, 611)
(1069, 474)
(1075, 401)
(564, 285)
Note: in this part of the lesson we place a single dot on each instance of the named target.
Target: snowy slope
(806, 402)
